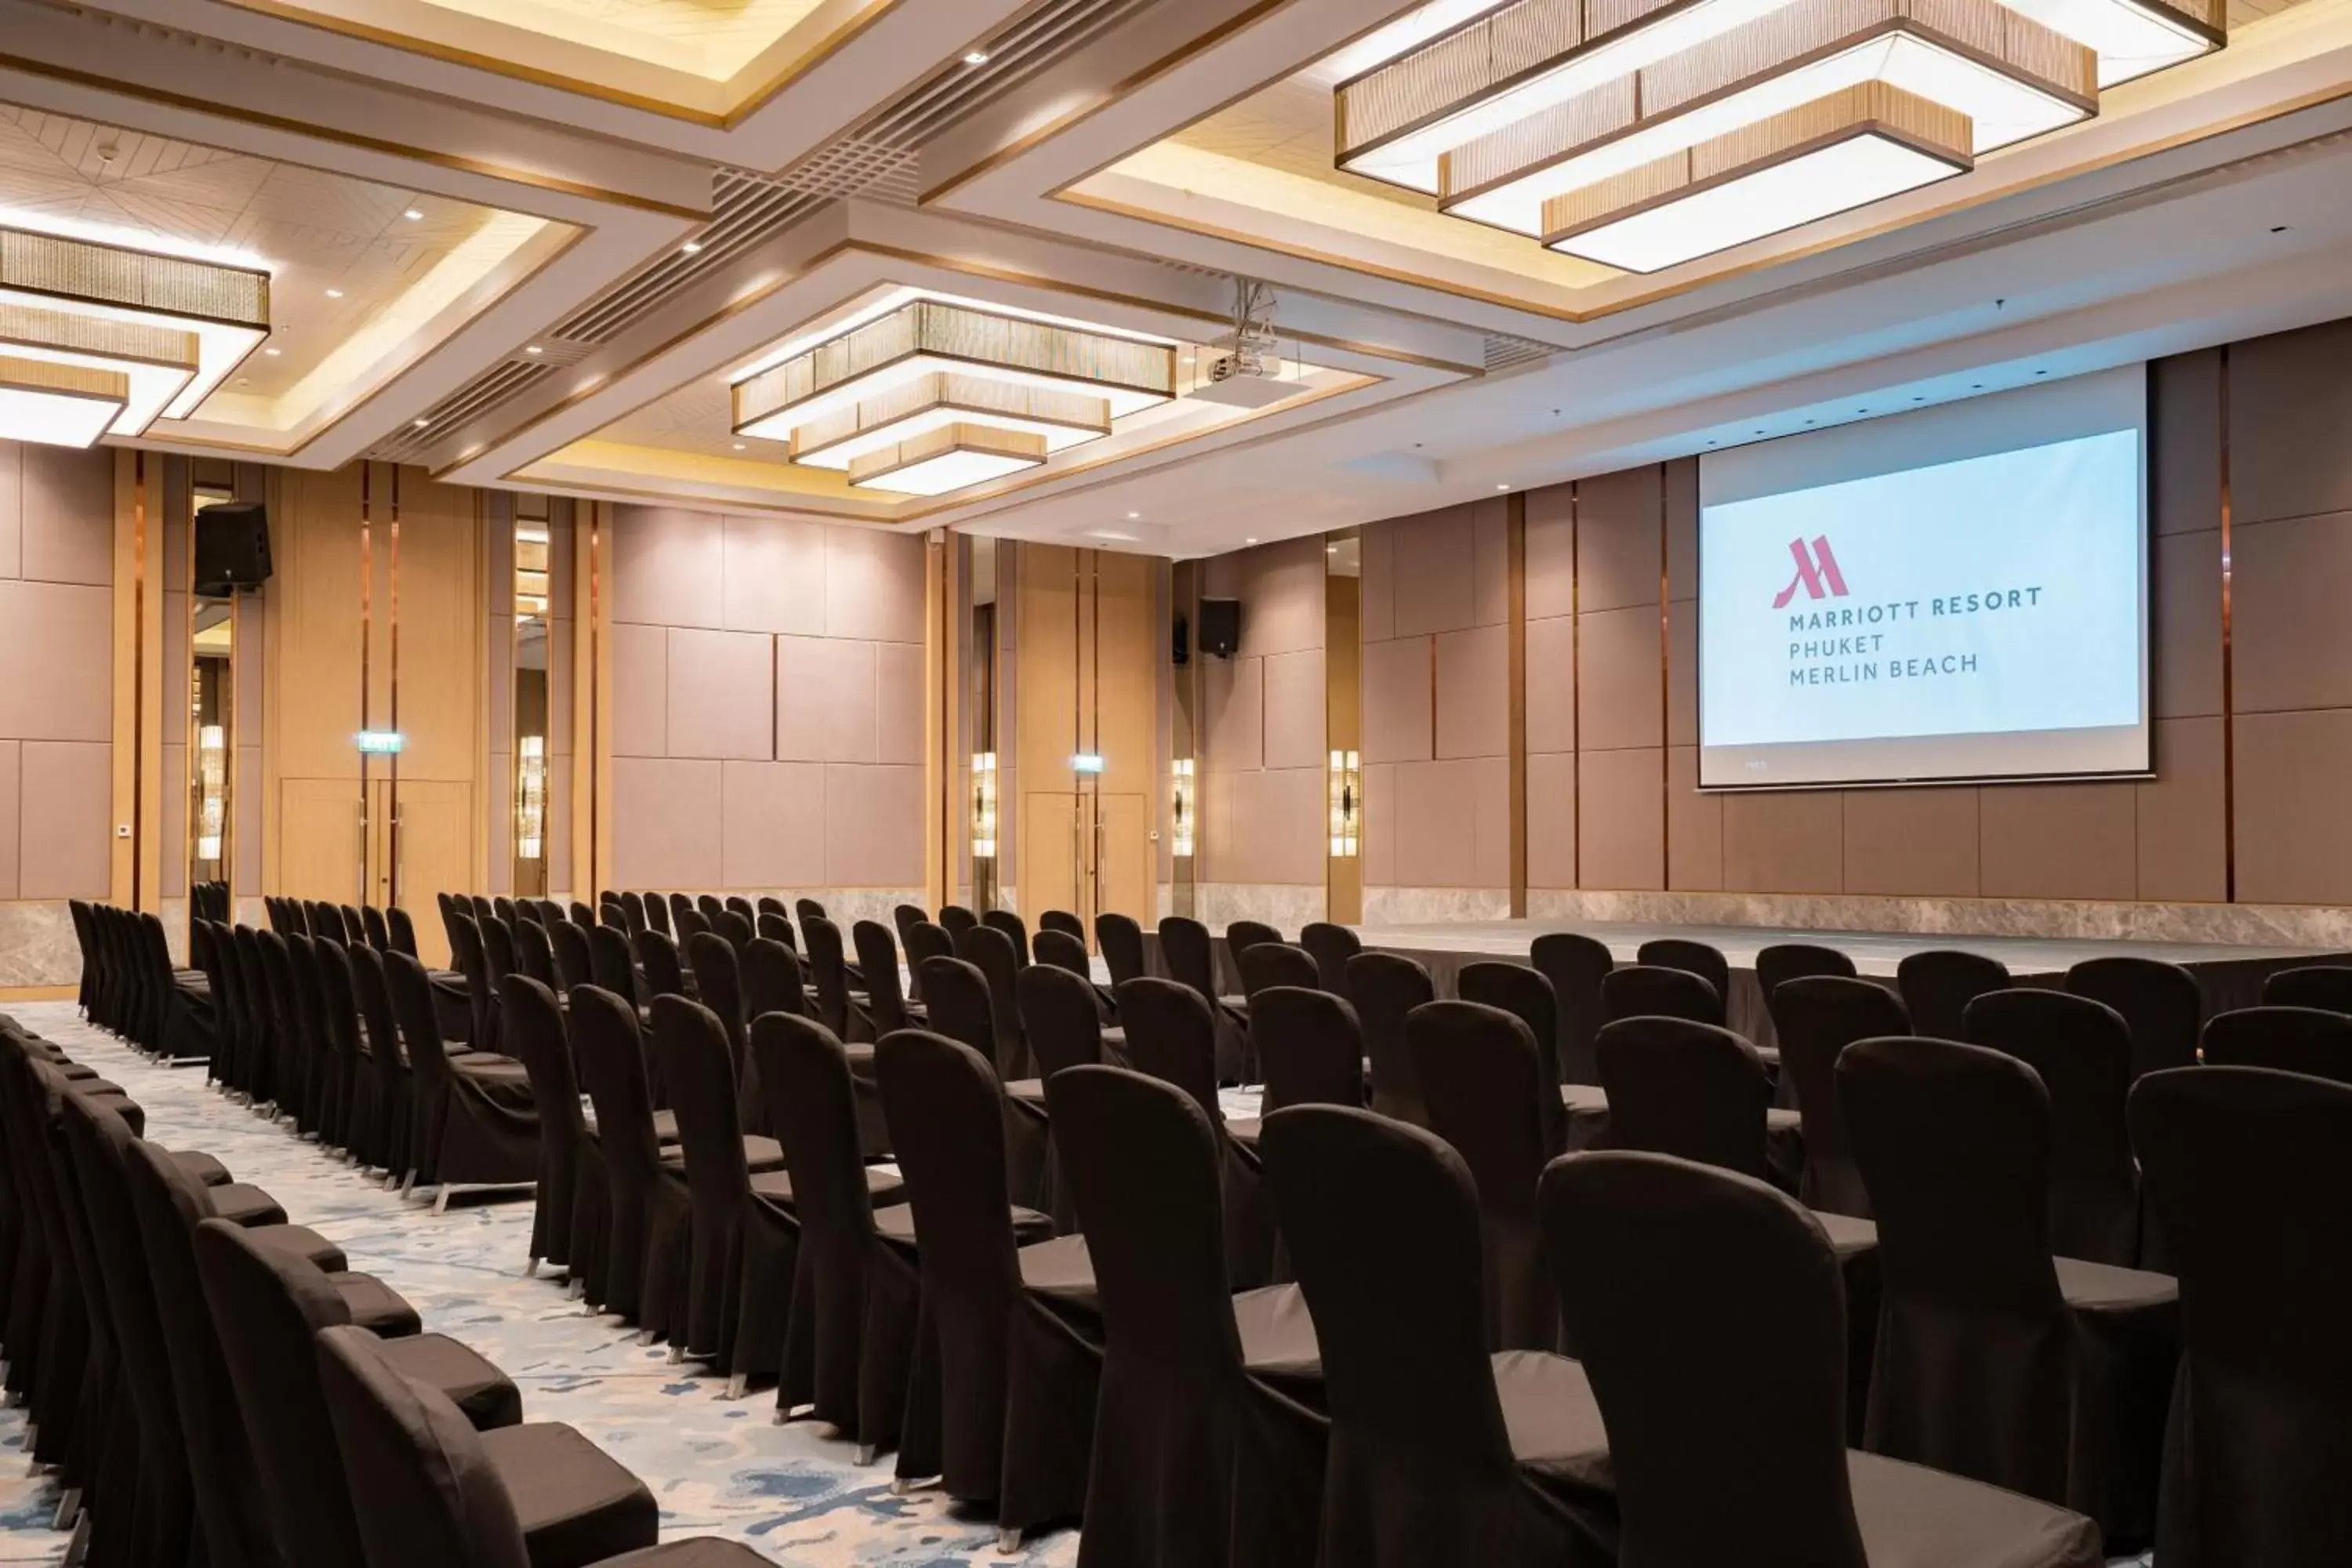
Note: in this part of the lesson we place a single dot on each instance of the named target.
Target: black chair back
(1795, 960)
(378, 933)
(2161, 1004)
(1172, 1036)
(1693, 1091)
(1652, 991)
(829, 970)
(774, 981)
(2082, 1051)
(1332, 945)
(1061, 1014)
(2327, 986)
(1385, 987)
(611, 963)
(774, 925)
(1938, 985)
(1066, 922)
(956, 996)
(608, 1044)
(1816, 1018)
(700, 1072)
(877, 964)
(1063, 951)
(1701, 959)
(1014, 930)
(1121, 941)
(1265, 964)
(955, 920)
(569, 952)
(1576, 965)
(535, 1031)
(2315, 1041)
(1243, 935)
(534, 952)
(658, 956)
(1310, 1046)
(989, 949)
(1186, 952)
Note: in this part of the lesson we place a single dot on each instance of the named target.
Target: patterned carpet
(719, 1467)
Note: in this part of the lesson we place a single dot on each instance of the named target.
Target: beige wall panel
(68, 514)
(1049, 850)
(252, 788)
(2185, 442)
(1551, 819)
(773, 576)
(2182, 852)
(11, 800)
(1452, 823)
(441, 633)
(1380, 855)
(640, 689)
(2290, 404)
(1280, 587)
(2291, 638)
(318, 839)
(1490, 560)
(1474, 693)
(1551, 684)
(1125, 644)
(1622, 819)
(57, 672)
(1784, 842)
(1911, 842)
(1551, 552)
(773, 824)
(1682, 673)
(1617, 558)
(1619, 678)
(2295, 835)
(1694, 827)
(825, 701)
(667, 819)
(2059, 841)
(722, 701)
(1127, 873)
(668, 567)
(873, 826)
(1397, 701)
(315, 632)
(12, 509)
(873, 585)
(1377, 604)
(2185, 624)
(436, 854)
(172, 780)
(1435, 571)
(1275, 827)
(1682, 527)
(1233, 714)
(899, 702)
(1295, 727)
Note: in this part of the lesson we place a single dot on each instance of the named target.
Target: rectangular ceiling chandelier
(168, 328)
(1528, 116)
(935, 396)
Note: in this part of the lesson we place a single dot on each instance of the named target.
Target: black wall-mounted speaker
(231, 547)
(1221, 627)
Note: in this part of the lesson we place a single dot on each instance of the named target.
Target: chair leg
(738, 1386)
(866, 1452)
(441, 1203)
(1008, 1541)
(530, 1270)
(68, 1508)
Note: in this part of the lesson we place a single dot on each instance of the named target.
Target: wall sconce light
(1180, 812)
(983, 806)
(1347, 804)
(212, 790)
(530, 799)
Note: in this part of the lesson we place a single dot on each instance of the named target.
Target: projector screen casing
(2072, 430)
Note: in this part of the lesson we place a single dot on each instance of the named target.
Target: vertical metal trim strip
(2229, 687)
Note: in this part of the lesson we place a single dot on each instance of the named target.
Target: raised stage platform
(2231, 977)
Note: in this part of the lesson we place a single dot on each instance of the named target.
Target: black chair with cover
(1440, 1451)
(1204, 1453)
(776, 926)
(1062, 920)
(1481, 1075)
(1309, 1044)
(396, 1089)
(1701, 959)
(1243, 935)
(1671, 1273)
(1996, 1360)
(1015, 930)
(1332, 946)
(2161, 1004)
(838, 1008)
(1385, 987)
(574, 958)
(1064, 951)
(534, 952)
(426, 1487)
(1653, 991)
(887, 1008)
(805, 909)
(1816, 1018)
(1265, 964)
(1574, 1113)
(401, 930)
(1061, 1014)
(1171, 1038)
(925, 940)
(1938, 985)
(1190, 958)
(1120, 941)
(611, 963)
(773, 980)
(1576, 965)
(1002, 1402)
(476, 1121)
(719, 987)
(904, 919)
(955, 920)
(1782, 960)
(1693, 1091)
(535, 1029)
(989, 949)
(648, 1207)
(2082, 1051)
(835, 1344)
(2327, 986)
(2310, 1040)
(658, 956)
(2250, 1171)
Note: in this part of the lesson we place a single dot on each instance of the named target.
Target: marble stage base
(2230, 976)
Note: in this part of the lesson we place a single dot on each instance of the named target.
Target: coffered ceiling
(534, 243)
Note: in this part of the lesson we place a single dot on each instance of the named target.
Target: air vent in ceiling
(1505, 352)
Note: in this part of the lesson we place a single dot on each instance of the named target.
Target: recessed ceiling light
(976, 57)
(334, 293)
(691, 247)
(1502, 487)
(1251, 540)
(738, 446)
(412, 214)
(273, 353)
(1330, 550)
(1135, 517)
(533, 349)
(420, 424)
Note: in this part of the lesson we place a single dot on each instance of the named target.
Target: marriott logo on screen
(1817, 572)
